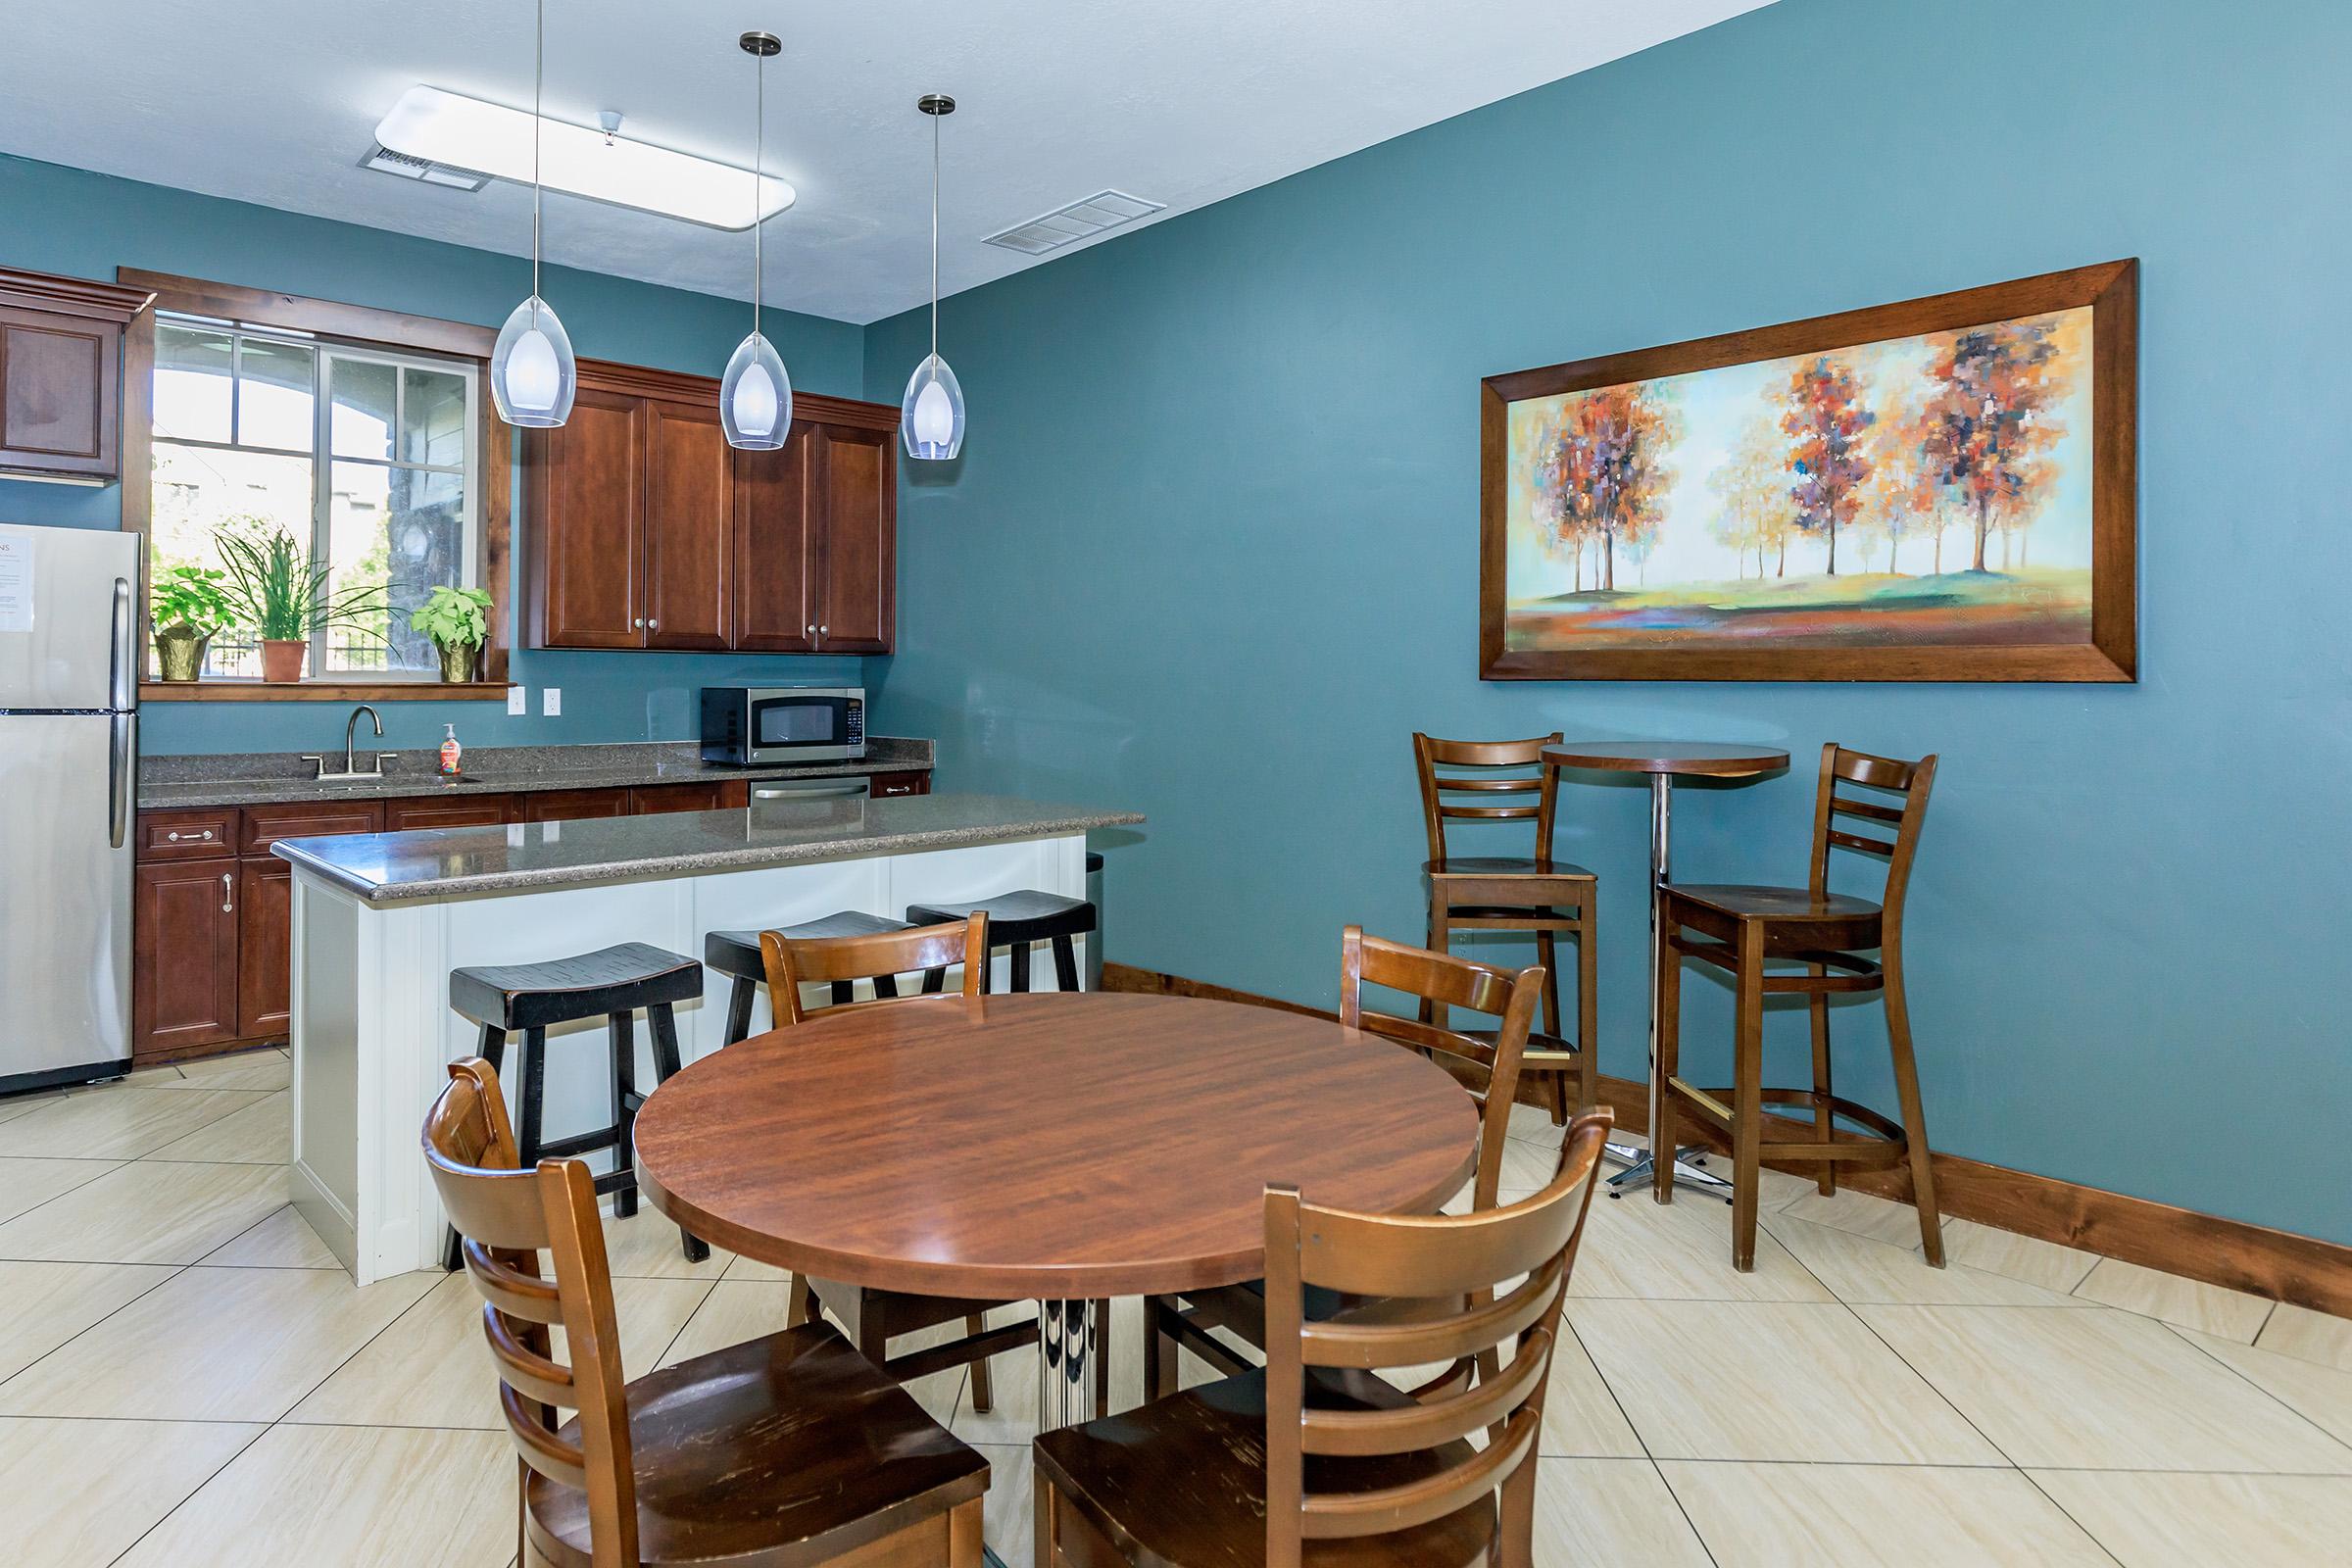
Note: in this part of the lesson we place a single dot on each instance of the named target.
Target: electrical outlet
(518, 700)
(551, 701)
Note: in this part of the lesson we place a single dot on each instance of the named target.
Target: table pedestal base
(1068, 1339)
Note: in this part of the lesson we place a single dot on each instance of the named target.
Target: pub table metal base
(1689, 1170)
(1068, 1339)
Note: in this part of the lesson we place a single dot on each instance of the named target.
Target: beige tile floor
(187, 1377)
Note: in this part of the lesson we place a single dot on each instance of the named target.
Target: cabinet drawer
(199, 835)
(456, 810)
(571, 805)
(880, 785)
(717, 794)
(265, 826)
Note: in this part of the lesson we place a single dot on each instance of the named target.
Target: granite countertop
(445, 863)
(276, 779)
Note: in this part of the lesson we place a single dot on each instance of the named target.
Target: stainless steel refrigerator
(68, 773)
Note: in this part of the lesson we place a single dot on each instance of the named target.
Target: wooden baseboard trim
(2278, 1264)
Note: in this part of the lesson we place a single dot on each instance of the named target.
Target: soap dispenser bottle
(451, 752)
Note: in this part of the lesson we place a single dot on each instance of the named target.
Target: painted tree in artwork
(1753, 485)
(1900, 500)
(1609, 471)
(1825, 421)
(1987, 430)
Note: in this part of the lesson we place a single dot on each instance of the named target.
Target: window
(367, 458)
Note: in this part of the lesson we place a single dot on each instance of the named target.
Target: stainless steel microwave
(754, 725)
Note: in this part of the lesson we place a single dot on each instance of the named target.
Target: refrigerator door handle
(118, 772)
(124, 650)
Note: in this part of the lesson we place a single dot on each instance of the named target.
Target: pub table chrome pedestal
(1664, 762)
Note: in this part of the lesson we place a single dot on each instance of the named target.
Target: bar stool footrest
(1884, 1142)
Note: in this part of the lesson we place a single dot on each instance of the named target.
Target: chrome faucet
(351, 765)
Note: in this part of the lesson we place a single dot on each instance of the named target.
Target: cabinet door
(688, 534)
(717, 795)
(59, 407)
(587, 508)
(856, 610)
(571, 805)
(184, 979)
(776, 575)
(456, 810)
(265, 948)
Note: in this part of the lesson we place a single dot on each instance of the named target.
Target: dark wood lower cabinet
(456, 810)
(572, 805)
(881, 785)
(719, 794)
(265, 948)
(183, 990)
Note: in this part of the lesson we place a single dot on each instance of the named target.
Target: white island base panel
(373, 1033)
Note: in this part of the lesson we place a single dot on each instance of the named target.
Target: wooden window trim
(362, 325)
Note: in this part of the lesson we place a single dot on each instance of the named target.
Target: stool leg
(664, 1025)
(1915, 1115)
(935, 981)
(1667, 1001)
(1824, 1123)
(492, 1049)
(494, 1046)
(1102, 1357)
(1441, 939)
(1020, 968)
(623, 1037)
(1547, 953)
(845, 992)
(984, 1393)
(528, 1138)
(1065, 978)
(1588, 1005)
(739, 1010)
(1747, 1097)
(885, 988)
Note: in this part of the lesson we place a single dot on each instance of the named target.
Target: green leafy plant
(194, 597)
(280, 591)
(454, 617)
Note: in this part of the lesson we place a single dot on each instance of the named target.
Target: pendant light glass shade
(754, 397)
(532, 371)
(931, 415)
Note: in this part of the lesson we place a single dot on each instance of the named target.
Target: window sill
(323, 691)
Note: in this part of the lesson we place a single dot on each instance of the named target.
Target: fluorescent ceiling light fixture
(445, 127)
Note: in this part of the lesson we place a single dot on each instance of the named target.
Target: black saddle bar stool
(736, 954)
(1014, 920)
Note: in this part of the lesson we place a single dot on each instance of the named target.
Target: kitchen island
(381, 920)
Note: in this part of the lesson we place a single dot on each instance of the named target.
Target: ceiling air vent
(1081, 220)
(385, 161)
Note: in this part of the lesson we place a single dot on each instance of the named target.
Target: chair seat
(737, 953)
(1486, 866)
(1183, 1481)
(756, 1453)
(1750, 903)
(588, 985)
(1025, 915)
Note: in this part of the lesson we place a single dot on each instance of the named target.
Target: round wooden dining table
(1060, 1147)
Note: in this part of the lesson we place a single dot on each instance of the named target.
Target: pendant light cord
(538, 85)
(935, 242)
(758, 178)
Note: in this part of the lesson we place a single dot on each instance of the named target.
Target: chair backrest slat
(795, 961)
(1437, 1277)
(508, 1217)
(1488, 1070)
(1911, 781)
(1531, 775)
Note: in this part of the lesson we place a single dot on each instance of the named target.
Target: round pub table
(1664, 762)
(1057, 1147)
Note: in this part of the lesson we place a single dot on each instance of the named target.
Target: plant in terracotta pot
(284, 595)
(457, 620)
(187, 604)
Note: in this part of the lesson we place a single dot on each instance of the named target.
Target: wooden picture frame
(2034, 629)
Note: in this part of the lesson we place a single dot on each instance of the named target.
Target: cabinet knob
(637, 622)
(653, 625)
(823, 630)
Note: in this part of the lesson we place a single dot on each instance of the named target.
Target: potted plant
(280, 591)
(187, 604)
(457, 620)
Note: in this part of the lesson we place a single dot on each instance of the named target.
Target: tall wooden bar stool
(1742, 929)
(790, 1448)
(1490, 893)
(1017, 919)
(736, 954)
(611, 983)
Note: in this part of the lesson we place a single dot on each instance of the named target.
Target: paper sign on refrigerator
(15, 580)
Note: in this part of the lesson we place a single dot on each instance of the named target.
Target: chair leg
(1824, 1122)
(1915, 1115)
(664, 1025)
(623, 1027)
(1515, 1542)
(984, 1388)
(1065, 964)
(801, 1307)
(529, 1136)
(1588, 1005)
(1041, 1530)
(1667, 1002)
(1020, 968)
(1747, 1097)
(963, 1535)
(739, 1010)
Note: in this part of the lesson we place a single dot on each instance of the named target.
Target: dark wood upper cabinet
(61, 374)
(775, 506)
(586, 484)
(689, 537)
(858, 607)
(647, 530)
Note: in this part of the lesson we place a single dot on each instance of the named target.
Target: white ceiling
(273, 101)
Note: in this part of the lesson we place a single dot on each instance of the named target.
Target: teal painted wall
(1211, 551)
(67, 221)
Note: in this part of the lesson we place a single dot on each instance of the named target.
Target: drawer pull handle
(228, 902)
(173, 837)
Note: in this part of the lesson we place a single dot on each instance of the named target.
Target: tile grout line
(1647, 1457)
(2181, 1334)
(176, 1270)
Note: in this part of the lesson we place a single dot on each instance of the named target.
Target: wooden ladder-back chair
(788, 1449)
(1492, 893)
(1742, 929)
(1317, 1461)
(1485, 1062)
(872, 1317)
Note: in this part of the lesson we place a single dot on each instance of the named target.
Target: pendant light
(754, 396)
(931, 415)
(532, 371)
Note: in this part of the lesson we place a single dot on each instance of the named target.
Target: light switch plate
(518, 700)
(551, 701)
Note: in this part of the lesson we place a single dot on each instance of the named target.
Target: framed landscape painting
(1939, 490)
